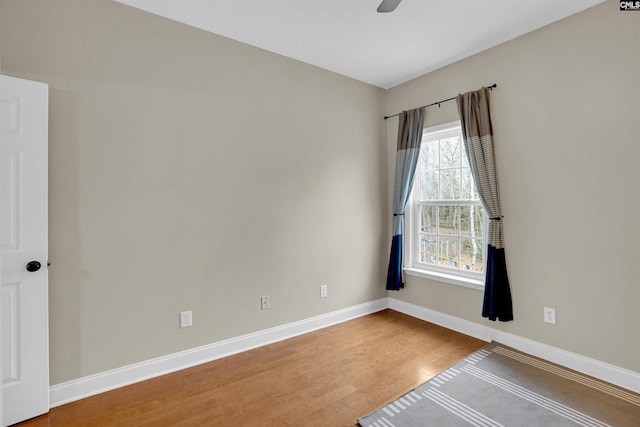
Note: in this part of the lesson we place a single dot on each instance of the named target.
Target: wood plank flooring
(325, 378)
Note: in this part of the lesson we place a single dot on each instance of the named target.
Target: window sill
(446, 278)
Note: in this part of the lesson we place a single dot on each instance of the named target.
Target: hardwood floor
(325, 378)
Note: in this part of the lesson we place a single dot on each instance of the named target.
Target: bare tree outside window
(450, 217)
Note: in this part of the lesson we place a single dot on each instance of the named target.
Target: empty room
(320, 213)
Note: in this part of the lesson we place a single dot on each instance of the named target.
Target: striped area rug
(499, 386)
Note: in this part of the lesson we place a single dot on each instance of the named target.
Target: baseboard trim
(70, 391)
(613, 374)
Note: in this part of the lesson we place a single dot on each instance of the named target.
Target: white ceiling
(349, 37)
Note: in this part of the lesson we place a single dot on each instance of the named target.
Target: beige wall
(192, 172)
(567, 136)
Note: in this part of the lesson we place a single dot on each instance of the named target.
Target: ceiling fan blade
(388, 6)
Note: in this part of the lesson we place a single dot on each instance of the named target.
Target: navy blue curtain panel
(497, 297)
(410, 129)
(473, 108)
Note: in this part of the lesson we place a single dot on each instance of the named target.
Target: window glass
(446, 218)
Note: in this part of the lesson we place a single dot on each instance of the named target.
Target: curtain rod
(439, 102)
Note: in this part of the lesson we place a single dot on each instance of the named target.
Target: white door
(23, 215)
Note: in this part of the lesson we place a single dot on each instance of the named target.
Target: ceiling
(349, 37)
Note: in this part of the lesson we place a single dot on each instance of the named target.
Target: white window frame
(412, 266)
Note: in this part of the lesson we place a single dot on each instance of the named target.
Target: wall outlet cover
(264, 303)
(185, 319)
(550, 315)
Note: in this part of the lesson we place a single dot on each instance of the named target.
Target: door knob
(33, 266)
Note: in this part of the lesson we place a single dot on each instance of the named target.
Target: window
(445, 218)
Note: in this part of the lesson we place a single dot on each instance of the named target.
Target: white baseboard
(70, 391)
(595, 368)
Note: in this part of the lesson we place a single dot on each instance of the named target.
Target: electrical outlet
(323, 291)
(264, 302)
(185, 319)
(550, 315)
